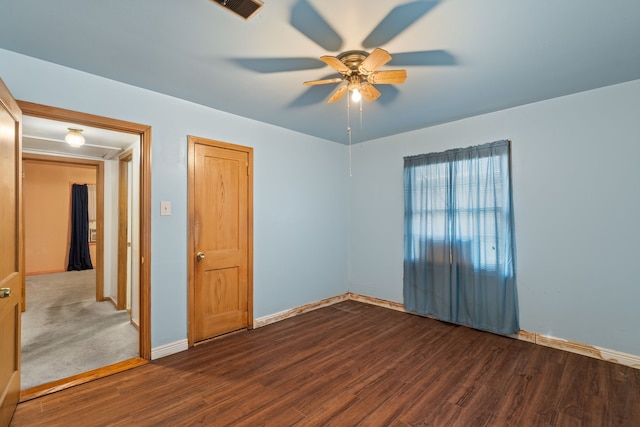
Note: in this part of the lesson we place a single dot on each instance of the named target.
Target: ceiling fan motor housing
(243, 8)
(353, 58)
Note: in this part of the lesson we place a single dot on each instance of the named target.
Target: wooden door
(11, 265)
(220, 238)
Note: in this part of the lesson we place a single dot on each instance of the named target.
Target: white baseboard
(595, 352)
(276, 317)
(377, 301)
(169, 349)
(620, 358)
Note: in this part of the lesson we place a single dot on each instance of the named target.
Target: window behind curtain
(459, 252)
(482, 206)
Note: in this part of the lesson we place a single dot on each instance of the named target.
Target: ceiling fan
(357, 68)
(358, 73)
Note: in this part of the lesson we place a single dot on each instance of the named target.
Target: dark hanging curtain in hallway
(79, 257)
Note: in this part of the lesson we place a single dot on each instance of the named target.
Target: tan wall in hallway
(47, 207)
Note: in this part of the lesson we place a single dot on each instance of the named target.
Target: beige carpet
(66, 332)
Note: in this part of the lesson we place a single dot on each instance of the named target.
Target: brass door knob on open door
(200, 256)
(5, 292)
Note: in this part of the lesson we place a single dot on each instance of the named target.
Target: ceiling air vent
(244, 8)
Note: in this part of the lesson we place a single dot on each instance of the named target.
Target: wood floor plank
(353, 364)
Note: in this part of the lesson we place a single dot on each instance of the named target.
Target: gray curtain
(459, 252)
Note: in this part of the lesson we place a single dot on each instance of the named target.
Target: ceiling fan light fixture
(74, 138)
(356, 96)
(354, 88)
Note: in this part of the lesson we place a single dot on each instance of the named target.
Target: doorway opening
(138, 238)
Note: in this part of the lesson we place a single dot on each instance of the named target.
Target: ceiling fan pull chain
(349, 132)
(348, 117)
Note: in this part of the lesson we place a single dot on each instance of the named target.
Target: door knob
(5, 292)
(200, 256)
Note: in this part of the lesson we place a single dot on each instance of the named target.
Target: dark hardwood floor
(353, 364)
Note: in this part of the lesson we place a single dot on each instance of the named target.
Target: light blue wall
(576, 194)
(300, 190)
(576, 184)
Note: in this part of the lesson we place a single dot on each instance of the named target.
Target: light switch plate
(165, 208)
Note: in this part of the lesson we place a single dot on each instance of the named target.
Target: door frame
(123, 226)
(192, 141)
(144, 131)
(11, 304)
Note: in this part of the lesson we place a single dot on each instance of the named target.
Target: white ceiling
(43, 136)
(473, 56)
